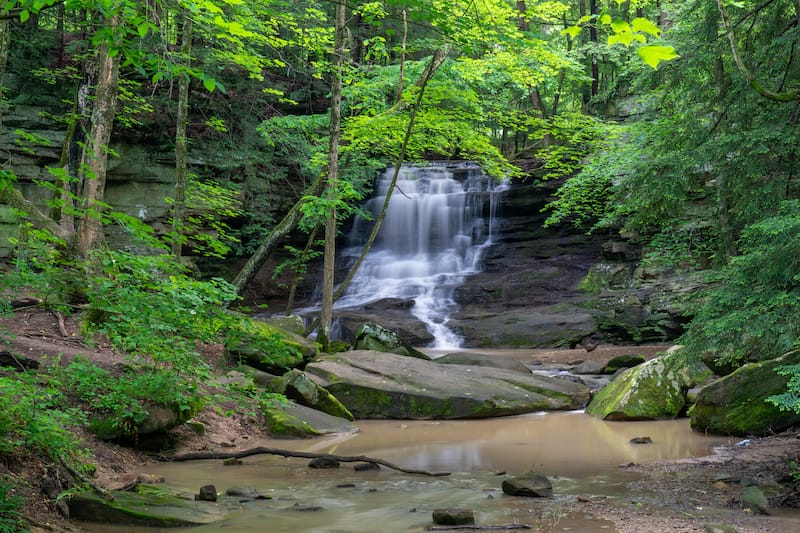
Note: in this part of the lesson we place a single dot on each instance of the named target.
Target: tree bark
(181, 141)
(326, 306)
(5, 31)
(95, 157)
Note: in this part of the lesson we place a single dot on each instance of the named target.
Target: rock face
(380, 385)
(736, 404)
(531, 484)
(479, 359)
(653, 390)
(262, 347)
(159, 420)
(292, 420)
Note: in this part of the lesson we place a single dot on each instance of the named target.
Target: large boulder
(736, 404)
(481, 359)
(653, 390)
(268, 347)
(380, 339)
(159, 419)
(297, 386)
(532, 484)
(381, 385)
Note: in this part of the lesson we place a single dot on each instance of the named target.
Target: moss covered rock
(269, 347)
(736, 404)
(296, 386)
(653, 390)
(292, 420)
(158, 420)
(147, 506)
(383, 385)
(623, 361)
(380, 339)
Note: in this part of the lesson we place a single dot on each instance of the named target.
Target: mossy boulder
(269, 347)
(480, 359)
(159, 419)
(736, 404)
(383, 385)
(653, 390)
(380, 339)
(297, 386)
(147, 506)
(292, 421)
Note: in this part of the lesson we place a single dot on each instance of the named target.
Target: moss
(281, 423)
(590, 283)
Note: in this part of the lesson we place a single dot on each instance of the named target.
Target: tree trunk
(95, 156)
(326, 306)
(5, 31)
(181, 142)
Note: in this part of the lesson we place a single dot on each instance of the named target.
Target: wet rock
(754, 499)
(381, 339)
(306, 508)
(244, 492)
(208, 493)
(323, 463)
(641, 440)
(365, 467)
(453, 517)
(381, 385)
(736, 404)
(296, 386)
(232, 461)
(532, 484)
(623, 361)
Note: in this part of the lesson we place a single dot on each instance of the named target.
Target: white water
(440, 219)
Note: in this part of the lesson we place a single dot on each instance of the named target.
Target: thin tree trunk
(298, 276)
(326, 307)
(5, 41)
(95, 160)
(181, 142)
(402, 57)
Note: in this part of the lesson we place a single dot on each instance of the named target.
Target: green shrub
(10, 519)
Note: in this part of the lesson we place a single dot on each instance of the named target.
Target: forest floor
(675, 496)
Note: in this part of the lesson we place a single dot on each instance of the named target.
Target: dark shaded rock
(17, 362)
(480, 359)
(323, 463)
(453, 517)
(754, 499)
(531, 484)
(245, 492)
(381, 339)
(232, 461)
(589, 367)
(296, 386)
(736, 404)
(159, 419)
(623, 361)
(365, 467)
(719, 368)
(208, 493)
(641, 440)
(306, 508)
(383, 385)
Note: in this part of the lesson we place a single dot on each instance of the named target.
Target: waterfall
(440, 219)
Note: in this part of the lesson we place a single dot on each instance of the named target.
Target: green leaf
(605, 19)
(621, 38)
(653, 55)
(620, 26)
(143, 29)
(210, 84)
(572, 31)
(24, 15)
(645, 26)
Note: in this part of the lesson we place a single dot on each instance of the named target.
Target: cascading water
(440, 219)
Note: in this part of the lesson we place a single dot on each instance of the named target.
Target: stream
(580, 453)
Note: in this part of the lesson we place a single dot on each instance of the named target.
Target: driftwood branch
(95, 487)
(197, 456)
(473, 527)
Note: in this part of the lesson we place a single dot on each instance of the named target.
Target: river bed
(580, 454)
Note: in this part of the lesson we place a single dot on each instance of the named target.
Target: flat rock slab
(150, 506)
(381, 385)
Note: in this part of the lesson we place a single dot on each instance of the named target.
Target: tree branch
(196, 456)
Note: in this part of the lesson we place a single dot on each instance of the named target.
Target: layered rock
(380, 385)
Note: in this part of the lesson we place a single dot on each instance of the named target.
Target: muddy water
(580, 453)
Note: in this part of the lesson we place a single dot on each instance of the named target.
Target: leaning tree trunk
(326, 306)
(95, 159)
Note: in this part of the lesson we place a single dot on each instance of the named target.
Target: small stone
(230, 461)
(453, 517)
(345, 485)
(755, 500)
(641, 440)
(323, 462)
(531, 484)
(306, 508)
(208, 493)
(720, 485)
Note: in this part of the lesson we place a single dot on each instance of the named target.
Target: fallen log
(473, 527)
(197, 456)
